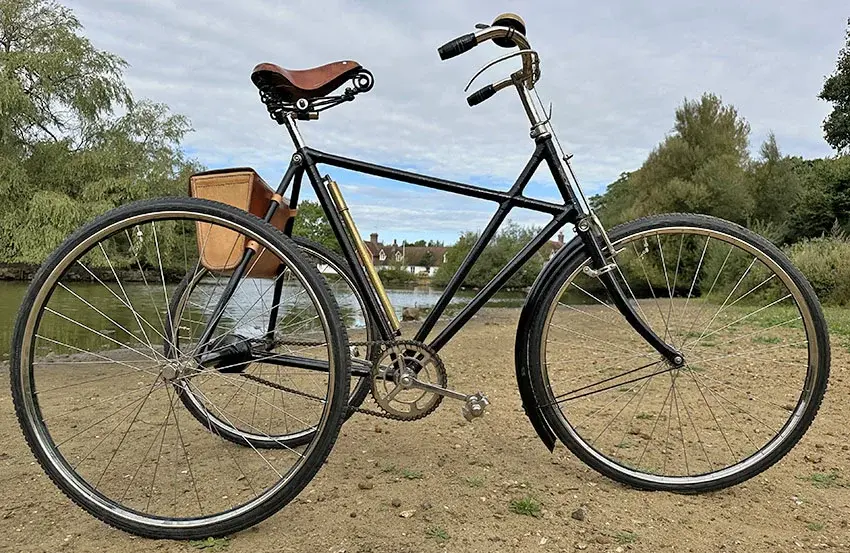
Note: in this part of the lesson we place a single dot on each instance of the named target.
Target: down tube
(500, 279)
(477, 248)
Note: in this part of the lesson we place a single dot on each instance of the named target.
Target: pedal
(474, 406)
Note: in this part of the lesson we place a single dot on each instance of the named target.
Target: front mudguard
(526, 390)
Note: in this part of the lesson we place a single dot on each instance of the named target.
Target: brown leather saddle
(294, 84)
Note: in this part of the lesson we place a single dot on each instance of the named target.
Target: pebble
(604, 540)
(352, 514)
(579, 514)
(407, 514)
(580, 545)
(396, 502)
(365, 485)
(425, 506)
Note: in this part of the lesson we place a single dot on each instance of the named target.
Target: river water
(12, 293)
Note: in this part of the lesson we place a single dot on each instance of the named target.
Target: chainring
(411, 359)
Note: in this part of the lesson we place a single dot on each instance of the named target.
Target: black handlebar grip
(457, 46)
(480, 95)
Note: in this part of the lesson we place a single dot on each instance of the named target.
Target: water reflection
(248, 315)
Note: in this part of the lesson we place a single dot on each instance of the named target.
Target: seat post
(294, 133)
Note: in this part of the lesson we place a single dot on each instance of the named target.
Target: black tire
(816, 372)
(313, 253)
(89, 497)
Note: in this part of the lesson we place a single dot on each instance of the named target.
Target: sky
(614, 71)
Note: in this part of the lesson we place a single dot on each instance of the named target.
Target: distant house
(552, 247)
(425, 260)
(419, 260)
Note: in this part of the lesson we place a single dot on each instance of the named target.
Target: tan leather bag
(222, 249)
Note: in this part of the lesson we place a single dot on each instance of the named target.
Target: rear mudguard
(526, 392)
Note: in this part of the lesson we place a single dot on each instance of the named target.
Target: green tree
(73, 142)
(311, 223)
(824, 201)
(496, 255)
(699, 167)
(836, 90)
(427, 259)
(774, 186)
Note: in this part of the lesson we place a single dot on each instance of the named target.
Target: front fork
(604, 267)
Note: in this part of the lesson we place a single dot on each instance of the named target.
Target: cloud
(615, 72)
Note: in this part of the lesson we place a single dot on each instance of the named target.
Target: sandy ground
(456, 481)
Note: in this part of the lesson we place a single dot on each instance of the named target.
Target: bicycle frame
(562, 214)
(571, 211)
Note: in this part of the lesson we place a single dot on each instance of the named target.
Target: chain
(363, 410)
(370, 412)
(306, 343)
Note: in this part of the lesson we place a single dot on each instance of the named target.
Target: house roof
(413, 255)
(417, 255)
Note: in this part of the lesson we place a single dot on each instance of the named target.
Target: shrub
(826, 263)
(393, 276)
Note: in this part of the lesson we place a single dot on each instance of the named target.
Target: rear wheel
(752, 333)
(95, 377)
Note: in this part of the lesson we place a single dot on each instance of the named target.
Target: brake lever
(501, 59)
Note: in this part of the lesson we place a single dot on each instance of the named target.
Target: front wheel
(753, 336)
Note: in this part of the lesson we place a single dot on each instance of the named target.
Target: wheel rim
(69, 470)
(615, 426)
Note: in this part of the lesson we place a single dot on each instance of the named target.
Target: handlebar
(480, 95)
(488, 91)
(457, 46)
(469, 41)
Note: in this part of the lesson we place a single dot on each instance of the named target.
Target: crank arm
(473, 404)
(434, 389)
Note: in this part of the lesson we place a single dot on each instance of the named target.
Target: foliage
(73, 142)
(826, 263)
(437, 533)
(824, 199)
(424, 243)
(311, 223)
(527, 506)
(836, 90)
(427, 259)
(774, 186)
(396, 276)
(411, 474)
(699, 167)
(703, 167)
(823, 479)
(496, 255)
(624, 537)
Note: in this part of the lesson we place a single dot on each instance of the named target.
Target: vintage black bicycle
(675, 352)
